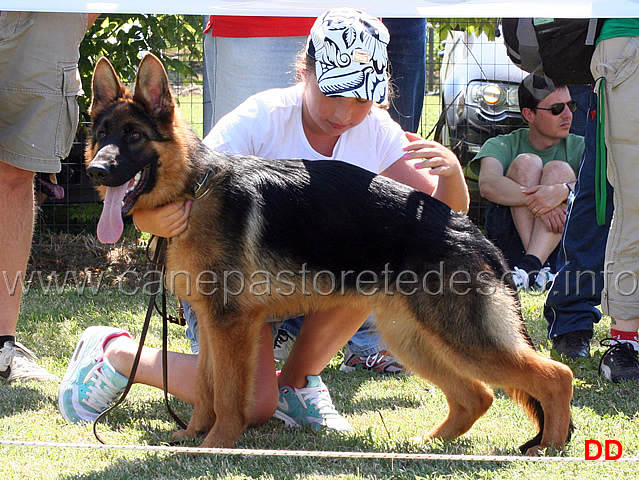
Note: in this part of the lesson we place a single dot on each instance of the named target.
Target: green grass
(385, 412)
(192, 109)
(430, 115)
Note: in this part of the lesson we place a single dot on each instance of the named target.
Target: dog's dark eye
(133, 136)
(100, 134)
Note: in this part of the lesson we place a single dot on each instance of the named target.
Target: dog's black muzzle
(106, 170)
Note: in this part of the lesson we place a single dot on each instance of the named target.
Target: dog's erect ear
(152, 86)
(106, 85)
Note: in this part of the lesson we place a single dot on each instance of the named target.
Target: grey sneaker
(17, 362)
(381, 362)
(282, 344)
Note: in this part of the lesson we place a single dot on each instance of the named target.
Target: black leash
(202, 187)
(157, 260)
(165, 350)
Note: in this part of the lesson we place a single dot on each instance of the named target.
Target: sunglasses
(557, 108)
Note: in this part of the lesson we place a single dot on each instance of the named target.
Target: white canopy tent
(403, 8)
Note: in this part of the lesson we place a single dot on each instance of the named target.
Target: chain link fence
(449, 116)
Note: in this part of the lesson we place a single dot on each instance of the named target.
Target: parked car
(479, 99)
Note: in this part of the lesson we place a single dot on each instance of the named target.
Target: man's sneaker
(619, 362)
(520, 277)
(90, 384)
(17, 362)
(381, 362)
(282, 344)
(543, 280)
(311, 405)
(572, 345)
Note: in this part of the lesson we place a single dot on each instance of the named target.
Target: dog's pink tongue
(111, 226)
(58, 191)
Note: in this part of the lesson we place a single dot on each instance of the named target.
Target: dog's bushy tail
(529, 404)
(533, 410)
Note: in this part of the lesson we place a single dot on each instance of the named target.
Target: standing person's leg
(571, 304)
(407, 58)
(236, 68)
(16, 218)
(39, 81)
(582, 94)
(617, 61)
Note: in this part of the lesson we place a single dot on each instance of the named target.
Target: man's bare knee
(556, 171)
(526, 169)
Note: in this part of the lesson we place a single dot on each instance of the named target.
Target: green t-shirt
(619, 27)
(506, 147)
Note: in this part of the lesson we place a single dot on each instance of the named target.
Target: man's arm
(496, 187)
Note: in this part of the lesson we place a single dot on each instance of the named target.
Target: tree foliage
(124, 39)
(475, 26)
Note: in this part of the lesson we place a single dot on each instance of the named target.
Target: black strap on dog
(157, 245)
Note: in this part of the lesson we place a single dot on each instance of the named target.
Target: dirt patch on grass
(73, 257)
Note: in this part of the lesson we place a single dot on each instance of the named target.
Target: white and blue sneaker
(90, 384)
(311, 405)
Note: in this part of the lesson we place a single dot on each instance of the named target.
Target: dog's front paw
(541, 451)
(419, 439)
(183, 435)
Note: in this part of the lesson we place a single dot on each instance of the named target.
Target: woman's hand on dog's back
(167, 221)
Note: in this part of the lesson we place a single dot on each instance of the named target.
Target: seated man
(528, 176)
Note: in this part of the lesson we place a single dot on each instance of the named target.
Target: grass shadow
(18, 397)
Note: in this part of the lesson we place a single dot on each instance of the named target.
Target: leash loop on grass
(156, 251)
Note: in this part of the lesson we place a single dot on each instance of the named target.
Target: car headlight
(493, 98)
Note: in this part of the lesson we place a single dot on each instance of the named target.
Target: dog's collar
(203, 185)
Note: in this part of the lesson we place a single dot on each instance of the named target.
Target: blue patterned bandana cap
(349, 48)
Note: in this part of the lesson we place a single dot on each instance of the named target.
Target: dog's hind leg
(543, 388)
(428, 356)
(467, 401)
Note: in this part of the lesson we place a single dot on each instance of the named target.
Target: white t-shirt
(269, 125)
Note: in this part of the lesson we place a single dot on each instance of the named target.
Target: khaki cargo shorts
(39, 82)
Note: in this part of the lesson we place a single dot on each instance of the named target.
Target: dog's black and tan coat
(444, 299)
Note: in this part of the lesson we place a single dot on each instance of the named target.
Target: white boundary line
(304, 453)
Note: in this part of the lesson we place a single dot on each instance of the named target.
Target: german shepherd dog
(444, 299)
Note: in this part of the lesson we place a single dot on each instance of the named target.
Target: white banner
(382, 8)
